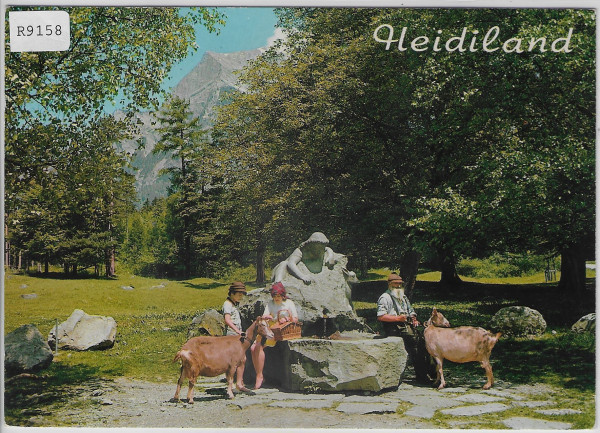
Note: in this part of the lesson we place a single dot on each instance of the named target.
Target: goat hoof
(487, 386)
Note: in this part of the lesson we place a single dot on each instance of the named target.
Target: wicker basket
(287, 330)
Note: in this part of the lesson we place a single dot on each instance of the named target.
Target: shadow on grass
(534, 361)
(82, 275)
(26, 394)
(204, 286)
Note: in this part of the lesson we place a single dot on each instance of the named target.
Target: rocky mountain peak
(203, 87)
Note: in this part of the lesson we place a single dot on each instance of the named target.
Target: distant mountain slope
(203, 87)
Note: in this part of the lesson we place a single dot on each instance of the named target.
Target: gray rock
(521, 423)
(425, 406)
(518, 321)
(478, 398)
(127, 287)
(585, 324)
(29, 296)
(534, 403)
(558, 411)
(342, 365)
(82, 331)
(242, 403)
(367, 407)
(479, 409)
(25, 350)
(456, 390)
(304, 404)
(210, 322)
(504, 394)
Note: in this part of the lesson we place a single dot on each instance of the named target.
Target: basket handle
(288, 311)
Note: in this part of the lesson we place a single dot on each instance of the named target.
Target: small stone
(558, 411)
(476, 410)
(29, 296)
(478, 398)
(536, 403)
(97, 392)
(365, 408)
(303, 404)
(456, 390)
(531, 423)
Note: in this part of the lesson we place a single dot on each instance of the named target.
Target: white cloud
(278, 35)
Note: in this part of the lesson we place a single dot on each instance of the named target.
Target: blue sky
(245, 29)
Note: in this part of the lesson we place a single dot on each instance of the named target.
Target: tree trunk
(66, 267)
(572, 274)
(6, 247)
(447, 264)
(110, 261)
(260, 257)
(409, 267)
(363, 265)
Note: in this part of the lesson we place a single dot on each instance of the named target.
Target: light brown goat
(212, 356)
(461, 344)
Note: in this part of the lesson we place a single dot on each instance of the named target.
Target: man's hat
(394, 277)
(237, 286)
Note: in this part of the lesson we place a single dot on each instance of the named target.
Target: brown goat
(212, 356)
(461, 344)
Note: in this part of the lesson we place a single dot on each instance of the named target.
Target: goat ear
(434, 311)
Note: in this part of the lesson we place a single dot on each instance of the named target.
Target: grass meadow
(154, 314)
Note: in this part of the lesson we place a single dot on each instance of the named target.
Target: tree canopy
(460, 152)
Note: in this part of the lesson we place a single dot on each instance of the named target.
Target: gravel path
(134, 403)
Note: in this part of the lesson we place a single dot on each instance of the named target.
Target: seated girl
(281, 309)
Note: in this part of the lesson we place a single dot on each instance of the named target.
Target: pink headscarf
(278, 289)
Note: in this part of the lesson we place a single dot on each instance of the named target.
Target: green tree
(183, 137)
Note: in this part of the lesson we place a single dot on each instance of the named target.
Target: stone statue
(313, 253)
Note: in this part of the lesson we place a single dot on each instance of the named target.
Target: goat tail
(183, 355)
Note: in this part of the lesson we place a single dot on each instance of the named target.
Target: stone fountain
(338, 351)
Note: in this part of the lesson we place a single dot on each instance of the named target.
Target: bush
(502, 266)
(235, 273)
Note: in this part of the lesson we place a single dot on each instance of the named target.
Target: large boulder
(210, 322)
(363, 364)
(26, 350)
(518, 321)
(586, 324)
(82, 331)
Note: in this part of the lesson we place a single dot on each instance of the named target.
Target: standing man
(400, 320)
